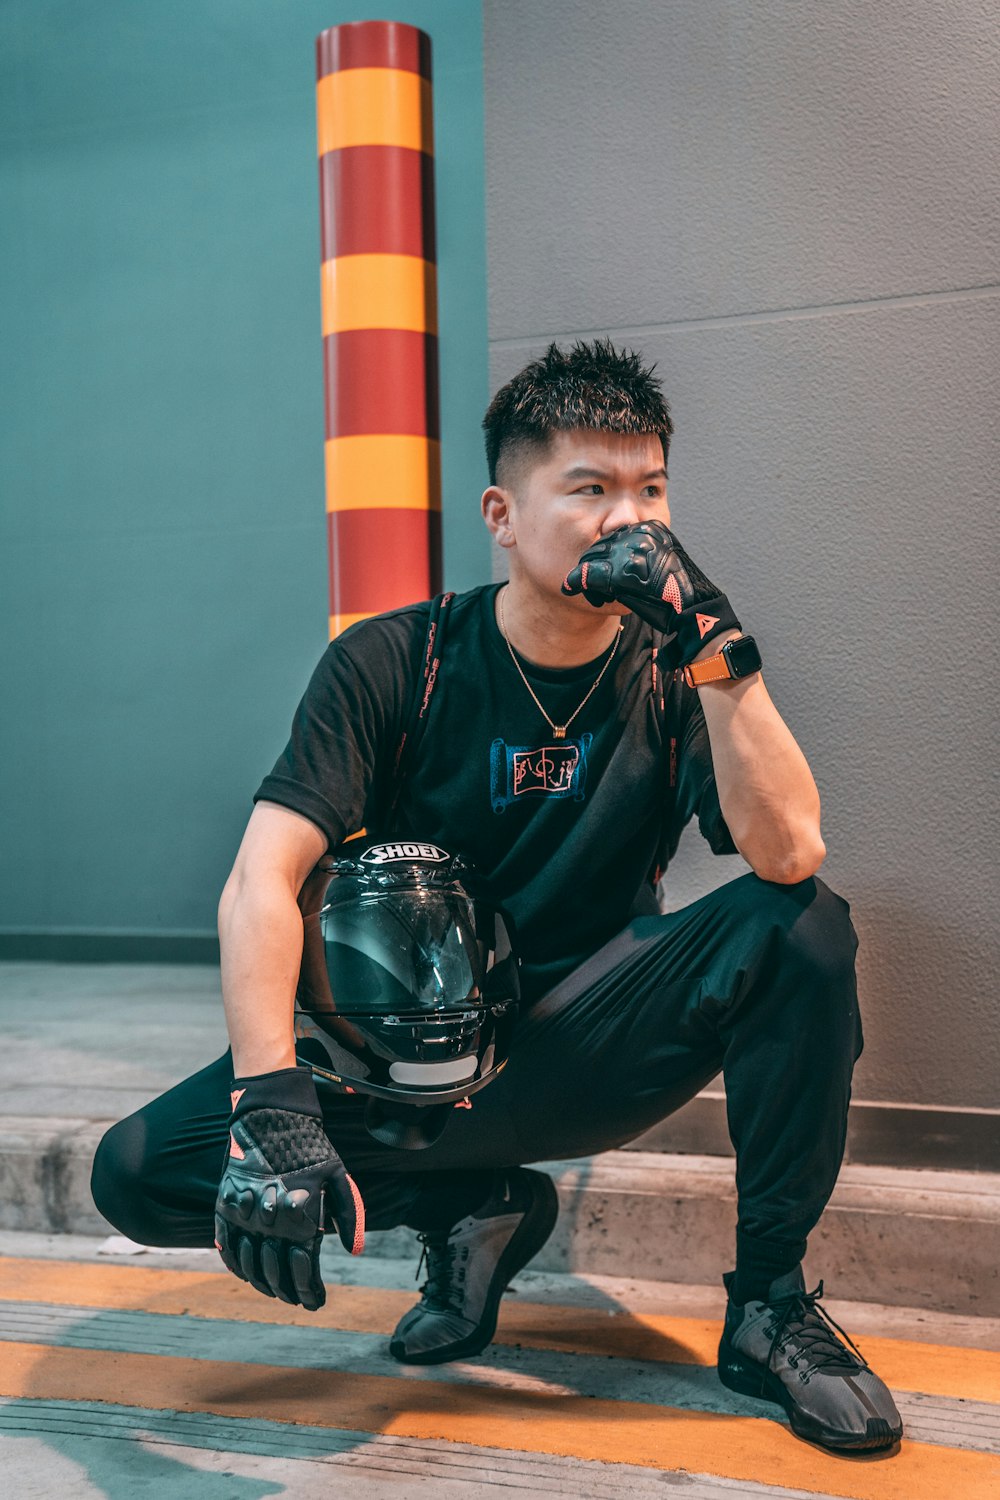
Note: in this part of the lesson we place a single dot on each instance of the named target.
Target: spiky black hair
(593, 386)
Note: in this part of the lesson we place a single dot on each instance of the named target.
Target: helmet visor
(408, 951)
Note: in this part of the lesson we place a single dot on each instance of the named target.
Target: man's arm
(766, 790)
(260, 933)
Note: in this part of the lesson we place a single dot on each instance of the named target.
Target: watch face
(743, 656)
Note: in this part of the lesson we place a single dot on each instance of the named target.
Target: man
(574, 730)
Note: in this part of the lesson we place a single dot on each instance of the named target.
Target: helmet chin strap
(410, 1127)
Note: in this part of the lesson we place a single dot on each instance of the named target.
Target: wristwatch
(739, 658)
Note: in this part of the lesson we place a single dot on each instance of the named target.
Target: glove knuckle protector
(279, 1175)
(646, 568)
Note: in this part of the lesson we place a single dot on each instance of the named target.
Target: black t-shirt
(567, 831)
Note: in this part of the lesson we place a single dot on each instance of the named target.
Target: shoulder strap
(416, 723)
(666, 846)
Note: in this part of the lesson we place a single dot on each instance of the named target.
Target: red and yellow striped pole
(383, 451)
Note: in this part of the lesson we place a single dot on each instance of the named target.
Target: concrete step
(894, 1236)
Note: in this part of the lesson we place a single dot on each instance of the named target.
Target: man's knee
(118, 1181)
(813, 921)
(823, 933)
(817, 937)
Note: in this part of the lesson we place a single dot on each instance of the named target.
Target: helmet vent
(432, 1074)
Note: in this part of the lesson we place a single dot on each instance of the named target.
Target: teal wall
(162, 556)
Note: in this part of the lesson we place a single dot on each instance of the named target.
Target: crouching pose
(569, 723)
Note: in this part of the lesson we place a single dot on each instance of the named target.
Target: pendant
(559, 731)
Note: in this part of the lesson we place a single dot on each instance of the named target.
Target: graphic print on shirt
(519, 771)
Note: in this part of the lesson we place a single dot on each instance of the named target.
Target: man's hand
(645, 567)
(282, 1185)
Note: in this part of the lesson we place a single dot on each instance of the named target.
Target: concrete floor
(160, 1375)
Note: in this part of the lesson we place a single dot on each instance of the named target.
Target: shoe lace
(439, 1253)
(800, 1313)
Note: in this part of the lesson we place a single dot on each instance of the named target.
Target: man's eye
(591, 489)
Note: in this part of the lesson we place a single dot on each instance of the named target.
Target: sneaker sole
(744, 1376)
(526, 1241)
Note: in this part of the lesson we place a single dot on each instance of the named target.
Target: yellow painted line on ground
(200, 1294)
(656, 1437)
(374, 107)
(387, 469)
(905, 1365)
(378, 291)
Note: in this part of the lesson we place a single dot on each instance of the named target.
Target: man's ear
(497, 515)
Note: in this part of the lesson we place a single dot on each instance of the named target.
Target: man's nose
(624, 512)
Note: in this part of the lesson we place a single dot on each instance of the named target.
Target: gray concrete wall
(792, 208)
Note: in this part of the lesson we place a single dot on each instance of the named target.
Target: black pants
(755, 980)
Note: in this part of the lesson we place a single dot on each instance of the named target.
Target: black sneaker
(469, 1267)
(785, 1350)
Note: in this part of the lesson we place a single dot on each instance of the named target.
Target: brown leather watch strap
(738, 660)
(712, 669)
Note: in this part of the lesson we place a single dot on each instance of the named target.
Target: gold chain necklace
(558, 730)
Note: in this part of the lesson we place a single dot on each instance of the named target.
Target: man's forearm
(766, 790)
(260, 934)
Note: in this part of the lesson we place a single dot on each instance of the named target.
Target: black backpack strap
(666, 845)
(416, 723)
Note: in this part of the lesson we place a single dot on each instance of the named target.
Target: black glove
(645, 567)
(282, 1185)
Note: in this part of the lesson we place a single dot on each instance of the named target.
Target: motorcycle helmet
(408, 989)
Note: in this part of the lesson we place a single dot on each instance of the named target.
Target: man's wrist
(252, 1059)
(291, 1089)
(714, 647)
